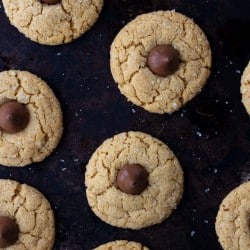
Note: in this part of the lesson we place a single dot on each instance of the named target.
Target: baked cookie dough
(130, 70)
(121, 245)
(233, 219)
(32, 213)
(52, 24)
(44, 129)
(155, 203)
(245, 88)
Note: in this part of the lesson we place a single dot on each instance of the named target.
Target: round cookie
(32, 213)
(233, 219)
(52, 24)
(44, 129)
(122, 245)
(155, 203)
(245, 88)
(130, 70)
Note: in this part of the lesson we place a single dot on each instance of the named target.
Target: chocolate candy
(8, 231)
(164, 60)
(132, 179)
(14, 117)
(50, 2)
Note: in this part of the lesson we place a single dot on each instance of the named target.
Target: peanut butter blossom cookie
(26, 218)
(160, 61)
(245, 88)
(30, 119)
(233, 219)
(121, 245)
(133, 181)
(52, 22)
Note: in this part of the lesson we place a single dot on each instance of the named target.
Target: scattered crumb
(59, 53)
(205, 221)
(207, 190)
(192, 233)
(199, 133)
(133, 111)
(237, 71)
(215, 170)
(64, 169)
(62, 160)
(245, 176)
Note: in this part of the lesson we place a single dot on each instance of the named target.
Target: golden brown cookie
(245, 88)
(233, 219)
(44, 129)
(155, 203)
(122, 245)
(129, 61)
(52, 24)
(32, 213)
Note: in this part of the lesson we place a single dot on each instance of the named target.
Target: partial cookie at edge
(53, 24)
(154, 204)
(129, 52)
(45, 127)
(245, 88)
(233, 219)
(31, 211)
(121, 244)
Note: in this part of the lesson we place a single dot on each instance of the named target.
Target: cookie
(31, 212)
(131, 55)
(153, 204)
(44, 129)
(233, 219)
(121, 245)
(245, 88)
(55, 23)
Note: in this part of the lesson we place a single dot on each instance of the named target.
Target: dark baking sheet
(210, 135)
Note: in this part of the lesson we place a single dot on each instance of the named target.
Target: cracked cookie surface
(233, 219)
(131, 47)
(52, 24)
(44, 129)
(122, 245)
(155, 203)
(31, 211)
(245, 88)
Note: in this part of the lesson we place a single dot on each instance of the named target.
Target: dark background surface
(210, 135)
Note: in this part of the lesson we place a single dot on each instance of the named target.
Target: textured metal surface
(210, 135)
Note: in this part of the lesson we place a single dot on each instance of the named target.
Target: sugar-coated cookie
(233, 219)
(118, 190)
(52, 22)
(40, 136)
(160, 61)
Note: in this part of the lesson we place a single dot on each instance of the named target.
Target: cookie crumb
(207, 190)
(64, 169)
(199, 133)
(237, 71)
(192, 233)
(62, 160)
